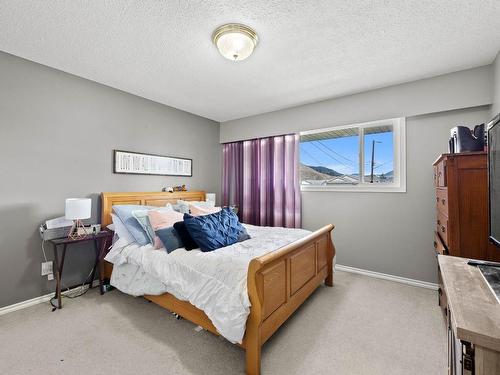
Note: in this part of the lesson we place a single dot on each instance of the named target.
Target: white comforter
(215, 282)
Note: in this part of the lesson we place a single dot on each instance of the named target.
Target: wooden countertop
(475, 311)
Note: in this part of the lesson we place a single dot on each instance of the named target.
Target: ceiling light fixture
(235, 41)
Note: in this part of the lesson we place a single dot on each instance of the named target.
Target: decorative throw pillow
(162, 219)
(243, 235)
(200, 211)
(142, 217)
(184, 205)
(187, 240)
(216, 230)
(169, 238)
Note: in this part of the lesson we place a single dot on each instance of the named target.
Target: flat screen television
(494, 179)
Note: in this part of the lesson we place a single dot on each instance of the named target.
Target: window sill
(356, 189)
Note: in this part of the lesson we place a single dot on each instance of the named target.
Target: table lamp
(77, 209)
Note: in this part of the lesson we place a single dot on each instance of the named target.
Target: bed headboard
(149, 199)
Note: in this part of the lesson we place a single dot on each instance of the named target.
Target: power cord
(43, 250)
(84, 288)
(75, 292)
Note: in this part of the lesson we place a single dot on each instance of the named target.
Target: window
(361, 157)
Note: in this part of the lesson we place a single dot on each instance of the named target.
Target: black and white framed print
(129, 162)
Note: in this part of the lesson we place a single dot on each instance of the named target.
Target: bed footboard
(279, 282)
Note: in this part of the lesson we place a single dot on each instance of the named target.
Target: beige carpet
(360, 326)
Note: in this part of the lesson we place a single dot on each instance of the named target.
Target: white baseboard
(378, 275)
(31, 302)
(25, 304)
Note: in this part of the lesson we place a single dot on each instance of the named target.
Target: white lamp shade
(78, 208)
(210, 197)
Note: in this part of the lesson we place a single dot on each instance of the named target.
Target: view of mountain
(311, 172)
(325, 170)
(308, 173)
(388, 174)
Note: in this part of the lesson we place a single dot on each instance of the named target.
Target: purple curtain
(261, 177)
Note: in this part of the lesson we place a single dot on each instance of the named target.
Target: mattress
(215, 282)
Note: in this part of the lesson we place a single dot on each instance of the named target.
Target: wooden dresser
(472, 317)
(462, 206)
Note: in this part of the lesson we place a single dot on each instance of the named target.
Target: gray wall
(385, 232)
(57, 133)
(392, 233)
(464, 89)
(495, 108)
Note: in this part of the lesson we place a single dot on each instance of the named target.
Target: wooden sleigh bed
(278, 282)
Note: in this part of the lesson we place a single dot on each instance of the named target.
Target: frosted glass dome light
(235, 41)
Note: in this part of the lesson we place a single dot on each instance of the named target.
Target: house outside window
(362, 157)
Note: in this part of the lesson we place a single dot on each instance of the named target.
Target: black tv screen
(494, 178)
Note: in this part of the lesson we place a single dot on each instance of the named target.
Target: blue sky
(341, 154)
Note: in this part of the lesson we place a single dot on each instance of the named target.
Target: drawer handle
(443, 201)
(439, 222)
(443, 229)
(437, 199)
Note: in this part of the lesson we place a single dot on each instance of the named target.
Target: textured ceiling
(308, 50)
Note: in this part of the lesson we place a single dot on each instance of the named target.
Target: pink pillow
(163, 219)
(201, 211)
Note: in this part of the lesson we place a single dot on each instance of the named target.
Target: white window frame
(399, 163)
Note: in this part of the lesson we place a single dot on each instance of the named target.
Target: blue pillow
(243, 235)
(187, 240)
(170, 238)
(215, 230)
(125, 213)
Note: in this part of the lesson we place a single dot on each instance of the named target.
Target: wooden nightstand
(102, 238)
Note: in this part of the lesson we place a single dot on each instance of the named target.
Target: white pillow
(121, 230)
(184, 205)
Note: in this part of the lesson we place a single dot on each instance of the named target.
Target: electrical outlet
(46, 268)
(50, 276)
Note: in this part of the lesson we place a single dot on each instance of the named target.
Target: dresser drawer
(439, 245)
(442, 200)
(442, 228)
(440, 174)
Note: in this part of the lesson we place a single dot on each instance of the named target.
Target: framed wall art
(129, 162)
